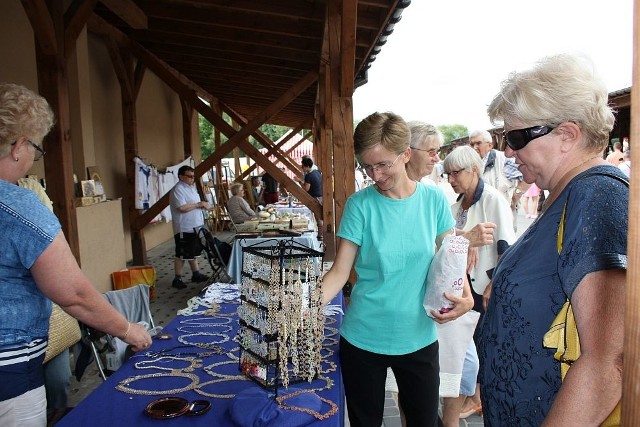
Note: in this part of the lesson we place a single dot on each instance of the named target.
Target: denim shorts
(470, 371)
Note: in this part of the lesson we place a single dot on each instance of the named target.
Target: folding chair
(217, 253)
(111, 352)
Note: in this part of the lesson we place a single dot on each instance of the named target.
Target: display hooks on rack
(281, 320)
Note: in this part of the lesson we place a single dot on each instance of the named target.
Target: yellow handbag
(563, 336)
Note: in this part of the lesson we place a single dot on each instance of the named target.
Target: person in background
(426, 141)
(256, 190)
(556, 124)
(625, 166)
(270, 190)
(616, 156)
(389, 232)
(313, 185)
(186, 211)
(36, 267)
(312, 179)
(530, 201)
(314, 167)
(500, 171)
(238, 207)
(478, 203)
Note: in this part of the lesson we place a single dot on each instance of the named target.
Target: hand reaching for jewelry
(138, 337)
(481, 234)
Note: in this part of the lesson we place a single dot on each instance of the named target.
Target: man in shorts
(187, 215)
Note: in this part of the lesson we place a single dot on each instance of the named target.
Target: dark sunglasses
(517, 139)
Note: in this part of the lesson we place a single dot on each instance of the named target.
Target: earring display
(280, 316)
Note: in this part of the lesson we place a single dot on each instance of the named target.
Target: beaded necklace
(333, 408)
(124, 385)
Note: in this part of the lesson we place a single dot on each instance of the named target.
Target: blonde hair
(22, 113)
(387, 129)
(561, 88)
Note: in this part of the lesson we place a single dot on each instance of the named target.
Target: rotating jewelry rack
(281, 321)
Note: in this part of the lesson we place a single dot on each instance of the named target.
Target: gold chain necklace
(332, 410)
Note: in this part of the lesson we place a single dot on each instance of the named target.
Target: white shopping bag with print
(446, 274)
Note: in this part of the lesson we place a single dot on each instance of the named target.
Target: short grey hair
(486, 136)
(560, 88)
(463, 157)
(421, 131)
(235, 188)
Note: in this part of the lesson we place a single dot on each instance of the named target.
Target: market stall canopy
(246, 53)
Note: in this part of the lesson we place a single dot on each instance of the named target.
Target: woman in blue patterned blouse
(557, 124)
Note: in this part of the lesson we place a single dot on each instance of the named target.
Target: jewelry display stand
(280, 316)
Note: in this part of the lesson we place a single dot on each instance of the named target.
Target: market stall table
(296, 209)
(175, 367)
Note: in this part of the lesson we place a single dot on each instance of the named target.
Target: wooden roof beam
(129, 12)
(175, 81)
(42, 25)
(278, 146)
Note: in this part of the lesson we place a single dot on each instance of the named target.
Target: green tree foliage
(206, 137)
(274, 132)
(452, 132)
(207, 145)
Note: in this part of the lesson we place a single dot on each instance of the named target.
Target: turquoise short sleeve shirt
(396, 239)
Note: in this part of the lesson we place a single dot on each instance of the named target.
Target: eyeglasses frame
(455, 173)
(39, 150)
(435, 152)
(382, 167)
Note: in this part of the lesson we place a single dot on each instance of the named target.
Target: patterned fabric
(519, 378)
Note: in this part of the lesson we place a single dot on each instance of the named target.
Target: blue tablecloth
(234, 268)
(107, 406)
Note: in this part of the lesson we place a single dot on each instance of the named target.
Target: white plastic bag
(446, 274)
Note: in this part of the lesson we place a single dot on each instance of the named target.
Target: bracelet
(124, 337)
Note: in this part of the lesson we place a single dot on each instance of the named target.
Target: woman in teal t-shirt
(389, 232)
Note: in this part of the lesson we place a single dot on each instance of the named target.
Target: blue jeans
(57, 374)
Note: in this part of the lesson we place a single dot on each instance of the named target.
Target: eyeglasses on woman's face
(454, 174)
(39, 150)
(517, 139)
(432, 152)
(380, 167)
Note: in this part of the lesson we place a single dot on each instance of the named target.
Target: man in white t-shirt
(186, 216)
